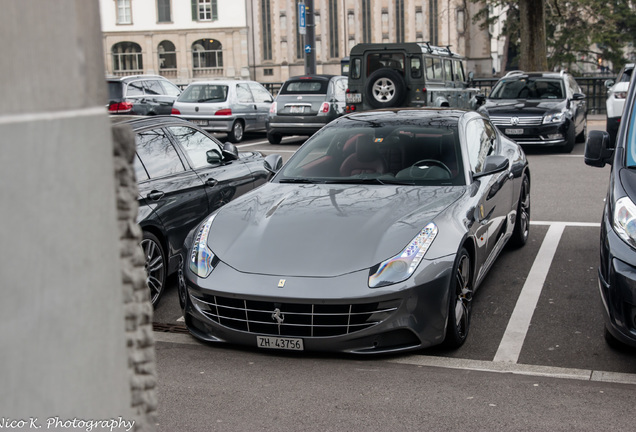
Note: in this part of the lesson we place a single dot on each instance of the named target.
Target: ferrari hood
(321, 230)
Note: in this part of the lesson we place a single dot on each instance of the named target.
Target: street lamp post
(310, 39)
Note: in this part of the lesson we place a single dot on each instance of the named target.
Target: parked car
(372, 238)
(141, 95)
(183, 174)
(617, 270)
(228, 106)
(304, 104)
(539, 109)
(391, 75)
(616, 93)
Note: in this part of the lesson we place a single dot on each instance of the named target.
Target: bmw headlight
(624, 221)
(402, 266)
(555, 117)
(200, 255)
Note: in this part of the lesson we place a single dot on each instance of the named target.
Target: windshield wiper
(209, 99)
(370, 180)
(299, 180)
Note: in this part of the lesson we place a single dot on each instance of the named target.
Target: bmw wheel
(236, 134)
(522, 222)
(155, 266)
(461, 296)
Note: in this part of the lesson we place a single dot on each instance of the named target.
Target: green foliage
(578, 31)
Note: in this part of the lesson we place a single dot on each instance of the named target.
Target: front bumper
(617, 285)
(339, 314)
(542, 135)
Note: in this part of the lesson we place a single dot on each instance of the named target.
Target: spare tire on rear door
(385, 88)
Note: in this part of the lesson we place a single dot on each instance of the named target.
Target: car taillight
(120, 108)
(324, 108)
(225, 111)
(620, 95)
(175, 111)
(272, 108)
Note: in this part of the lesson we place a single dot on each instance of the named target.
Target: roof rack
(432, 49)
(514, 72)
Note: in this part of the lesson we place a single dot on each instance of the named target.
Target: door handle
(156, 195)
(211, 182)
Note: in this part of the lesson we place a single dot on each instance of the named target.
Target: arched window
(127, 57)
(207, 54)
(167, 55)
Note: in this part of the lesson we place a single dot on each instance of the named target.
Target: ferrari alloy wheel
(522, 222)
(155, 266)
(460, 302)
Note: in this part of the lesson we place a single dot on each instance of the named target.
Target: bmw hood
(521, 106)
(321, 230)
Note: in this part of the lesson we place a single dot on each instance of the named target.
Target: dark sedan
(539, 109)
(617, 270)
(373, 238)
(184, 174)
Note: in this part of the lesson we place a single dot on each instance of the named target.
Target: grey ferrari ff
(373, 238)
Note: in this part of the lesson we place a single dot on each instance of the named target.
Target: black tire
(522, 222)
(570, 139)
(274, 138)
(155, 266)
(236, 134)
(580, 138)
(460, 302)
(385, 88)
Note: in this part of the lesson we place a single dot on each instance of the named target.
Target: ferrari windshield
(379, 152)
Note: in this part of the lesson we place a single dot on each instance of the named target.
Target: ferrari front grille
(294, 319)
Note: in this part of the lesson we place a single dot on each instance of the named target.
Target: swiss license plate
(282, 343)
(200, 122)
(513, 131)
(296, 109)
(353, 97)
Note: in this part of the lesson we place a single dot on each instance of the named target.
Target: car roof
(140, 122)
(129, 78)
(546, 74)
(401, 114)
(315, 76)
(220, 81)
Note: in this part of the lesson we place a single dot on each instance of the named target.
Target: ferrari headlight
(201, 256)
(555, 117)
(624, 221)
(402, 266)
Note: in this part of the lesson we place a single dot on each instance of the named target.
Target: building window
(124, 14)
(366, 21)
(204, 10)
(385, 23)
(167, 55)
(127, 57)
(299, 38)
(432, 22)
(207, 54)
(333, 29)
(399, 21)
(266, 24)
(461, 21)
(268, 72)
(351, 23)
(163, 11)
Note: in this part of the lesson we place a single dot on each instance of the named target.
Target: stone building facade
(188, 40)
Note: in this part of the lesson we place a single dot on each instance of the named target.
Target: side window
(153, 87)
(458, 70)
(170, 89)
(355, 67)
(243, 93)
(157, 154)
(259, 92)
(195, 144)
(135, 89)
(340, 87)
(434, 68)
(480, 138)
(416, 67)
(448, 71)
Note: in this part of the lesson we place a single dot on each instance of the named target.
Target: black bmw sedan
(183, 174)
(617, 269)
(539, 109)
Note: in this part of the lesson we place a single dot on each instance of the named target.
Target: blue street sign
(307, 49)
(302, 24)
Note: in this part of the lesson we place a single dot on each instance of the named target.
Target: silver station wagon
(230, 106)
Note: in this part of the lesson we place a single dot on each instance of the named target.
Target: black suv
(141, 95)
(539, 109)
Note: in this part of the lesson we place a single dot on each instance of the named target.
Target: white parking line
(515, 334)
